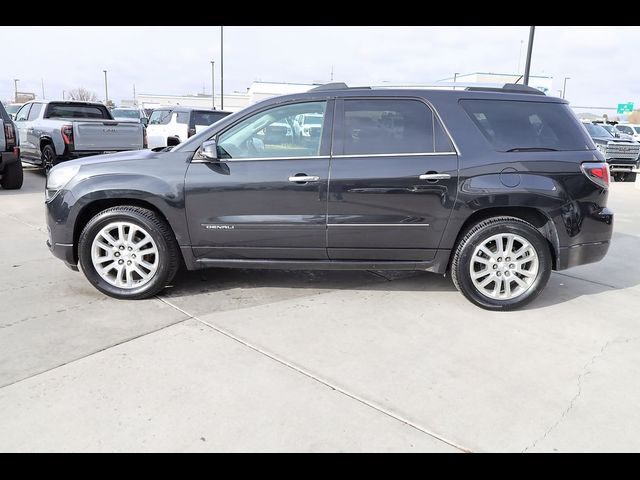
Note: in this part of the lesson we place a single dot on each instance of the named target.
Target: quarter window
(275, 133)
(381, 126)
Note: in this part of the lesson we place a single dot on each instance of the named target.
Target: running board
(437, 265)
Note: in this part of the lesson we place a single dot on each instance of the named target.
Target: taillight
(67, 134)
(9, 135)
(191, 132)
(597, 172)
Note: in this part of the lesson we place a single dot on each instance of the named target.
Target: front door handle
(302, 178)
(435, 176)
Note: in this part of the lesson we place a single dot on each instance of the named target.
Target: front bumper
(64, 252)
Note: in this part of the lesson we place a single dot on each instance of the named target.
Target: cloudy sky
(601, 61)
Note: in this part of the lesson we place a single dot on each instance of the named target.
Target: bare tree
(82, 93)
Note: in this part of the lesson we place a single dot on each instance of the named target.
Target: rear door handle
(304, 178)
(435, 176)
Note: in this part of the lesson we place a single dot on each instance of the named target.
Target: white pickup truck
(53, 131)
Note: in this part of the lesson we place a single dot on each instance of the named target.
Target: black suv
(497, 186)
(10, 164)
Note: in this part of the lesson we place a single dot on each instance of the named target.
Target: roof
(179, 108)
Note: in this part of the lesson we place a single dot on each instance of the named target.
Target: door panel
(249, 209)
(378, 207)
(248, 204)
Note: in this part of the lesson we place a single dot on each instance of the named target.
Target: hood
(114, 157)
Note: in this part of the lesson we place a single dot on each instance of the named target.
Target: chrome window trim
(259, 159)
(368, 155)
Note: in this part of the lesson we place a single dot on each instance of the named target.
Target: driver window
(276, 133)
(23, 113)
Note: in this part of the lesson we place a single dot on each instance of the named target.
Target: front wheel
(49, 158)
(502, 263)
(128, 252)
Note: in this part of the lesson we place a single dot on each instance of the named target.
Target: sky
(602, 62)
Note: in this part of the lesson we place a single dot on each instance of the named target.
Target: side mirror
(209, 150)
(144, 121)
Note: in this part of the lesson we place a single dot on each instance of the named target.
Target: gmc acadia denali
(498, 186)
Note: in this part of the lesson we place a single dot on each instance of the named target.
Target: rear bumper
(87, 153)
(7, 158)
(582, 254)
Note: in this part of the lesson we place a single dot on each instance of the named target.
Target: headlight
(58, 177)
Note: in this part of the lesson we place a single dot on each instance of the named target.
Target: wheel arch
(532, 215)
(98, 205)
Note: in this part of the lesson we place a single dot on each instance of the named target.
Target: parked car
(630, 129)
(613, 131)
(496, 186)
(12, 108)
(10, 165)
(171, 125)
(125, 114)
(307, 126)
(622, 155)
(52, 132)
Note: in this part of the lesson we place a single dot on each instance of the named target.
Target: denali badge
(209, 226)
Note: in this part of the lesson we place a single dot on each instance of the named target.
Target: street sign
(625, 107)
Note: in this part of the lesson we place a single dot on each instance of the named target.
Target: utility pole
(42, 80)
(455, 77)
(15, 86)
(520, 57)
(564, 86)
(527, 65)
(63, 94)
(135, 102)
(213, 90)
(221, 67)
(332, 73)
(106, 90)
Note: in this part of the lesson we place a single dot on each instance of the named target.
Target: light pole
(63, 92)
(520, 57)
(42, 79)
(564, 86)
(221, 67)
(455, 77)
(527, 65)
(15, 87)
(106, 90)
(213, 90)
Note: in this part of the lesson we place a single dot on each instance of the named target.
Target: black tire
(48, 157)
(460, 265)
(12, 176)
(629, 177)
(156, 227)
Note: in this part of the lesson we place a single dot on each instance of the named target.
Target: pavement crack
(588, 281)
(318, 379)
(586, 370)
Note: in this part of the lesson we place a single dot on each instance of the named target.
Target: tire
(49, 158)
(12, 176)
(119, 255)
(630, 177)
(527, 275)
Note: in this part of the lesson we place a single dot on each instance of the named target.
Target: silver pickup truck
(53, 131)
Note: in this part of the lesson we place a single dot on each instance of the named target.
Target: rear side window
(521, 126)
(182, 117)
(381, 126)
(160, 117)
(207, 118)
(61, 110)
(35, 111)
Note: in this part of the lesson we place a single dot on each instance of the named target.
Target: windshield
(125, 113)
(12, 108)
(160, 117)
(597, 130)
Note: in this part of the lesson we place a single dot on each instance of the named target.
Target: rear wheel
(49, 158)
(128, 252)
(12, 176)
(502, 263)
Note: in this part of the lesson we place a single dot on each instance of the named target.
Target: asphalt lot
(244, 360)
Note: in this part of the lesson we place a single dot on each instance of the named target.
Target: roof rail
(337, 86)
(508, 88)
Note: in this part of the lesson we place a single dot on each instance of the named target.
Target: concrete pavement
(241, 360)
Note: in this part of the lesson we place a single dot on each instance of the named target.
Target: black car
(11, 175)
(496, 186)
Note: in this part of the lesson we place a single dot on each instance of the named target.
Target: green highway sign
(625, 107)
